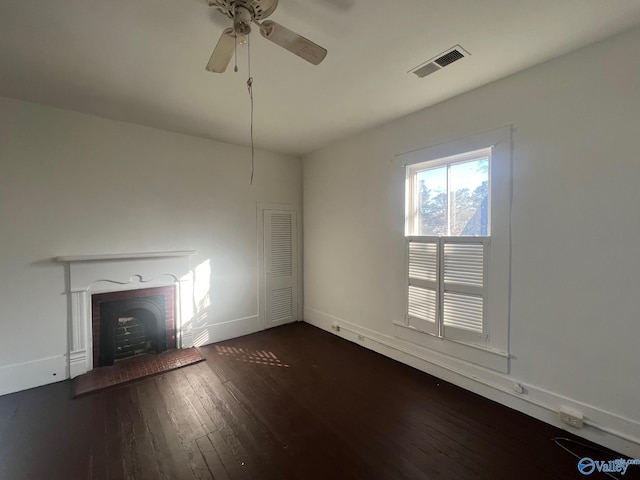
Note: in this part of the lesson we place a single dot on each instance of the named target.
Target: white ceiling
(143, 61)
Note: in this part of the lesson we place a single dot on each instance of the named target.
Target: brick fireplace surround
(126, 274)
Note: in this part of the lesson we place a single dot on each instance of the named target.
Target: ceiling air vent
(440, 61)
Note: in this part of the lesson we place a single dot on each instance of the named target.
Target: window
(458, 197)
(450, 196)
(448, 211)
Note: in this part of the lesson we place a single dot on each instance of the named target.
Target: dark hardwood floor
(289, 403)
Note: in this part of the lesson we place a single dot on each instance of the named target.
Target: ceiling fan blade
(223, 52)
(303, 47)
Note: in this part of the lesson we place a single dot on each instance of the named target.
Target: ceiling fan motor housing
(258, 9)
(242, 21)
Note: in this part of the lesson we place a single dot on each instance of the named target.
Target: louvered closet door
(281, 267)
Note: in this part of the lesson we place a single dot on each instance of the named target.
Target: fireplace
(132, 322)
(143, 297)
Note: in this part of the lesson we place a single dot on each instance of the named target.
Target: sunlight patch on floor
(260, 357)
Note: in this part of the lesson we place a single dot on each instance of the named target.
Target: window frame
(494, 352)
(412, 199)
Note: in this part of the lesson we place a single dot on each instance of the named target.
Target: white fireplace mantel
(125, 256)
(89, 274)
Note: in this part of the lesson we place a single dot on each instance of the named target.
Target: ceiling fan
(245, 12)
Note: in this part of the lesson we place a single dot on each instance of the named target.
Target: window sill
(484, 356)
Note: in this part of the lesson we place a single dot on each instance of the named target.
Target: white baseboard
(22, 376)
(604, 428)
(218, 332)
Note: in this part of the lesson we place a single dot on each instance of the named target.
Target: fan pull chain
(235, 54)
(250, 90)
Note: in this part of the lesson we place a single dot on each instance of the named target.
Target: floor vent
(440, 61)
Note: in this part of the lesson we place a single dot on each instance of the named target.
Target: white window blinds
(447, 286)
(422, 305)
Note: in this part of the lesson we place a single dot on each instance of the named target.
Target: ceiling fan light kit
(244, 13)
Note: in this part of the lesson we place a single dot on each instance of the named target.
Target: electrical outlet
(575, 419)
(361, 338)
(335, 327)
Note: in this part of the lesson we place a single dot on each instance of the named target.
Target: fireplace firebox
(131, 327)
(132, 322)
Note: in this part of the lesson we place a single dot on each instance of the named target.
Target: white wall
(73, 184)
(575, 319)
